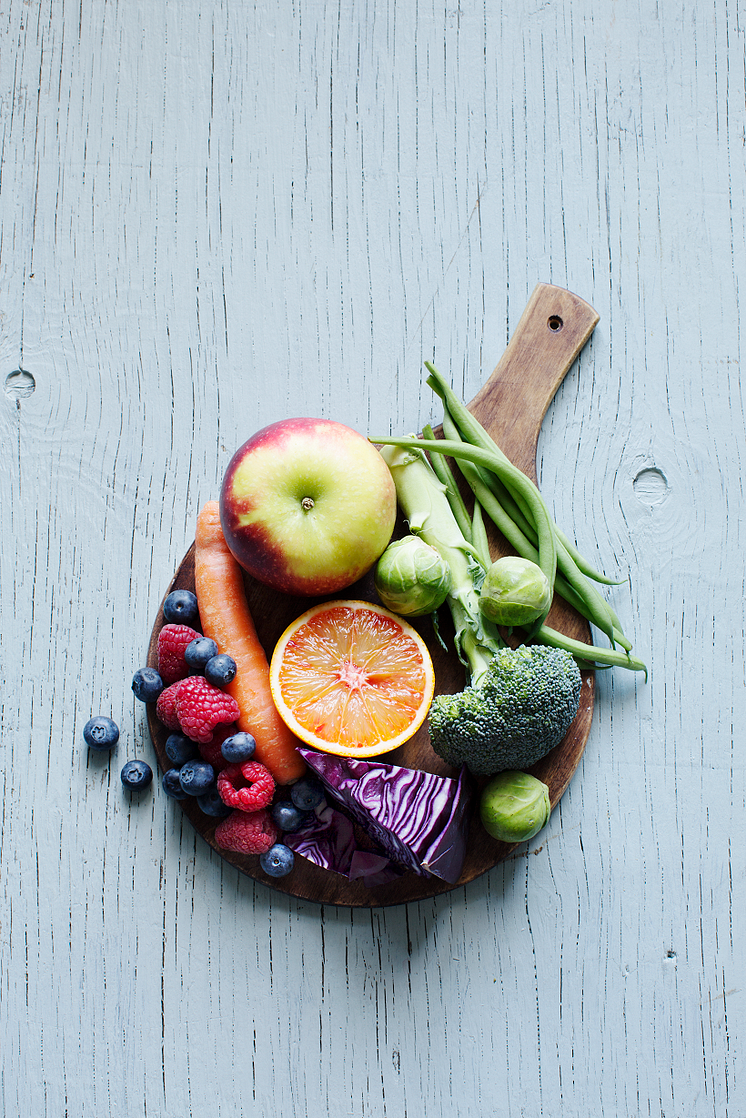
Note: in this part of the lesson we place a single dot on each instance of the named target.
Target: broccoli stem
(423, 500)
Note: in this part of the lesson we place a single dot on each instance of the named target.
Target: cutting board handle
(511, 405)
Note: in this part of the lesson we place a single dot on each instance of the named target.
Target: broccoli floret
(519, 709)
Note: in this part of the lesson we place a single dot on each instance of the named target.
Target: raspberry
(165, 708)
(212, 751)
(200, 707)
(247, 832)
(248, 787)
(172, 642)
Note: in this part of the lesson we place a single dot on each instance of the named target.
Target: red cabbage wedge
(419, 819)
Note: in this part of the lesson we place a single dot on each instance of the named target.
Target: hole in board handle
(555, 323)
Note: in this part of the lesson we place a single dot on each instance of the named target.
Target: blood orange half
(351, 678)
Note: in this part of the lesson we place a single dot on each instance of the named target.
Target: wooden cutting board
(551, 333)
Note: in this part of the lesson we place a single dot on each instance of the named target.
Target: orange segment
(351, 678)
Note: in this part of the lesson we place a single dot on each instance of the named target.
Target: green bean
(492, 506)
(598, 608)
(450, 428)
(508, 502)
(446, 478)
(483, 482)
(471, 428)
(479, 536)
(610, 657)
(582, 563)
(474, 433)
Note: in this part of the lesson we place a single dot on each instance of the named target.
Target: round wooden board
(528, 369)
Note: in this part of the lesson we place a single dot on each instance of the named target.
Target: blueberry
(278, 860)
(196, 777)
(238, 748)
(136, 775)
(288, 817)
(220, 670)
(180, 608)
(172, 785)
(147, 685)
(100, 732)
(211, 804)
(180, 749)
(198, 652)
(307, 793)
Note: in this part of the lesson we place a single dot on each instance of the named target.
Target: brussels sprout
(411, 577)
(514, 592)
(514, 806)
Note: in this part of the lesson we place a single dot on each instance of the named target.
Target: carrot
(225, 618)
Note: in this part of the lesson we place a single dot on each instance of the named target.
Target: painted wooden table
(213, 216)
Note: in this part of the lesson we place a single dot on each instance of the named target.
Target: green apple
(307, 506)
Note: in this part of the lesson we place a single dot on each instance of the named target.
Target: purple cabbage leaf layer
(329, 842)
(419, 819)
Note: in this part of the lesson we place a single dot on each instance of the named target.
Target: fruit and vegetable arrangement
(284, 749)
